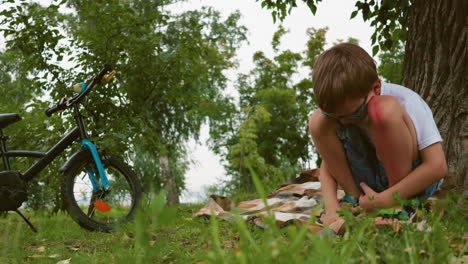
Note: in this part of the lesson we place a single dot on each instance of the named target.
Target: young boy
(375, 138)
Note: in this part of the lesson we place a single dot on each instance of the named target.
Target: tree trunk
(436, 67)
(169, 180)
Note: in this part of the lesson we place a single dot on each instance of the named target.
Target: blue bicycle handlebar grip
(79, 87)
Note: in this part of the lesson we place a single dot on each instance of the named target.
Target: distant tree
(271, 135)
(391, 63)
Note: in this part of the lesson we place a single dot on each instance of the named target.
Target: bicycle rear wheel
(101, 210)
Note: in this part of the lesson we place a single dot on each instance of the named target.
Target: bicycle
(99, 190)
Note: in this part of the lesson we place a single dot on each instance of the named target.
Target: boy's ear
(377, 87)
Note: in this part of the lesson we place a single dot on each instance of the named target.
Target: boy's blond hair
(343, 71)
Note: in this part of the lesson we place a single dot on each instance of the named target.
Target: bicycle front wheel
(102, 210)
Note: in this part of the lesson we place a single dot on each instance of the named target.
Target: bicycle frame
(46, 158)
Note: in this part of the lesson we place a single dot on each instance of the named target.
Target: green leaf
(374, 38)
(375, 50)
(312, 6)
(353, 14)
(388, 44)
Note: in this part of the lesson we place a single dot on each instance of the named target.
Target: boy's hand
(368, 201)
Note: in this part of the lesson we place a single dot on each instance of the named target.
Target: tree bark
(169, 180)
(436, 67)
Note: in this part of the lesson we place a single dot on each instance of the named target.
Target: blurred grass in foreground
(169, 235)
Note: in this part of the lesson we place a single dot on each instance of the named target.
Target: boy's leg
(394, 137)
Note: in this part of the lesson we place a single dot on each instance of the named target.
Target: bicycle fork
(100, 168)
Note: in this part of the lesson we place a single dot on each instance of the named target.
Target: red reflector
(102, 206)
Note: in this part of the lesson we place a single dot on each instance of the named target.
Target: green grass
(170, 235)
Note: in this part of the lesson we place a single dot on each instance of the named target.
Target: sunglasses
(357, 115)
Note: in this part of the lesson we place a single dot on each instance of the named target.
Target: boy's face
(354, 110)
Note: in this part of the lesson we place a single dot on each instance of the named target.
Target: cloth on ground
(293, 203)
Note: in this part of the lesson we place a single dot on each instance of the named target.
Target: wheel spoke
(118, 203)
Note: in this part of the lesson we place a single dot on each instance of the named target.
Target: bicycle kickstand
(27, 221)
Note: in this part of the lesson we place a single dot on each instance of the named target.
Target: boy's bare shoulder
(320, 125)
(384, 106)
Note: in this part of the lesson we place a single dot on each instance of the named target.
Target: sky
(334, 14)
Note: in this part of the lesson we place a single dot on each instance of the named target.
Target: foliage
(33, 133)
(389, 18)
(281, 8)
(391, 63)
(245, 152)
(173, 89)
(315, 45)
(150, 172)
(269, 131)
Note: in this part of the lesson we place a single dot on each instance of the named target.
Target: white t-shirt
(419, 112)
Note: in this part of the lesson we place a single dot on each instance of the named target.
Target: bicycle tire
(76, 187)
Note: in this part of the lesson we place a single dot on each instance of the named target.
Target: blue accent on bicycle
(92, 178)
(83, 87)
(100, 167)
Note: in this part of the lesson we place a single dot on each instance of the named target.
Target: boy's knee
(383, 111)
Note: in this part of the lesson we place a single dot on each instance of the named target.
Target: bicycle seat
(8, 119)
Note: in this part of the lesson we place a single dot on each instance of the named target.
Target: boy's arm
(329, 195)
(323, 133)
(432, 169)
